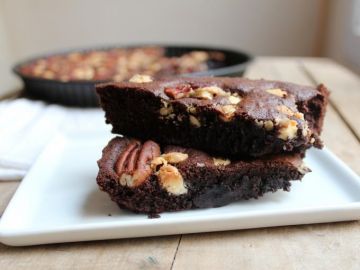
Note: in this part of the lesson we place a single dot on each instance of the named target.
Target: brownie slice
(147, 178)
(233, 117)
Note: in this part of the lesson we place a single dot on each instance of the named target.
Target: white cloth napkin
(26, 127)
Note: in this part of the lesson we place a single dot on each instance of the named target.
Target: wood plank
(295, 247)
(141, 253)
(322, 246)
(344, 85)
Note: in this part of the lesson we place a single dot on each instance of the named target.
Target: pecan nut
(133, 164)
(171, 157)
(277, 92)
(171, 180)
(221, 162)
(209, 92)
(287, 128)
(226, 112)
(180, 91)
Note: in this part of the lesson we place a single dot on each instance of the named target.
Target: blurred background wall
(273, 27)
(343, 32)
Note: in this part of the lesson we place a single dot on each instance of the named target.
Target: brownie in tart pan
(69, 77)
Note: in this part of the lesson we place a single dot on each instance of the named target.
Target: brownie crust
(233, 117)
(202, 180)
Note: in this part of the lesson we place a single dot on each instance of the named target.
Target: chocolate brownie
(147, 178)
(233, 117)
(120, 64)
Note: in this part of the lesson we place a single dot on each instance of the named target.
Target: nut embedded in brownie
(147, 178)
(232, 117)
(120, 64)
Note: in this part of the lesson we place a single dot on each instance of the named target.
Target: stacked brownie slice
(205, 142)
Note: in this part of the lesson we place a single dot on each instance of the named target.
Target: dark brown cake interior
(132, 108)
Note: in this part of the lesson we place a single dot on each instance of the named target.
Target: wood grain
(141, 253)
(324, 246)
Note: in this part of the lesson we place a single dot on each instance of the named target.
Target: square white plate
(59, 201)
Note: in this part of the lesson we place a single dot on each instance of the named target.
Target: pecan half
(133, 164)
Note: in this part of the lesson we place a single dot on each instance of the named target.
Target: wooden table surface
(320, 246)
